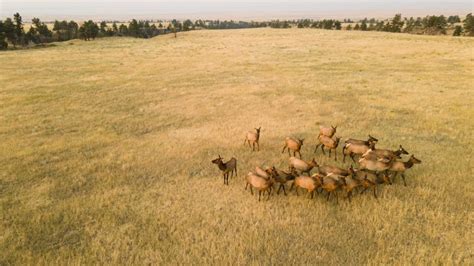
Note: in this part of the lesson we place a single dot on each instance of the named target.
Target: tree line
(12, 30)
(429, 25)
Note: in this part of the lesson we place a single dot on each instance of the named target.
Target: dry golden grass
(106, 146)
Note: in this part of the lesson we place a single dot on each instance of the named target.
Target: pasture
(106, 148)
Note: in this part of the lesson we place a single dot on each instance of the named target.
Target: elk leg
(300, 155)
(330, 150)
(375, 193)
(337, 198)
(292, 185)
(362, 192)
(394, 175)
(258, 146)
(246, 186)
(251, 190)
(278, 191)
(296, 189)
(352, 156)
(404, 181)
(268, 196)
(317, 146)
(259, 193)
(284, 147)
(289, 153)
(322, 148)
(312, 194)
(283, 186)
(245, 140)
(335, 155)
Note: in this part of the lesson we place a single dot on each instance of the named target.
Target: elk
(328, 169)
(330, 184)
(282, 177)
(310, 183)
(401, 167)
(302, 166)
(370, 180)
(263, 173)
(377, 165)
(294, 145)
(258, 182)
(267, 174)
(372, 154)
(349, 184)
(227, 168)
(329, 143)
(366, 142)
(252, 138)
(352, 149)
(327, 131)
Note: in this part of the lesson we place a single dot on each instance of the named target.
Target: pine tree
(19, 32)
(3, 43)
(469, 25)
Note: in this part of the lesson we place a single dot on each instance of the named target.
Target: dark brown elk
(329, 143)
(281, 177)
(327, 131)
(252, 138)
(369, 180)
(260, 183)
(293, 145)
(401, 167)
(348, 185)
(227, 168)
(302, 166)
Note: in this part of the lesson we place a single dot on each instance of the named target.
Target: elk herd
(375, 167)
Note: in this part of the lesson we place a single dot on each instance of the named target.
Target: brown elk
(358, 141)
(377, 165)
(260, 183)
(294, 145)
(329, 169)
(227, 168)
(373, 154)
(253, 138)
(329, 143)
(310, 183)
(327, 131)
(401, 167)
(330, 184)
(353, 149)
(302, 166)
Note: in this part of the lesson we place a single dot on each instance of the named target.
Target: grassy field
(106, 146)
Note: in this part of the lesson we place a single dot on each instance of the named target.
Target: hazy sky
(229, 9)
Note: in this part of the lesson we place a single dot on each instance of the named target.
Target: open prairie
(106, 148)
